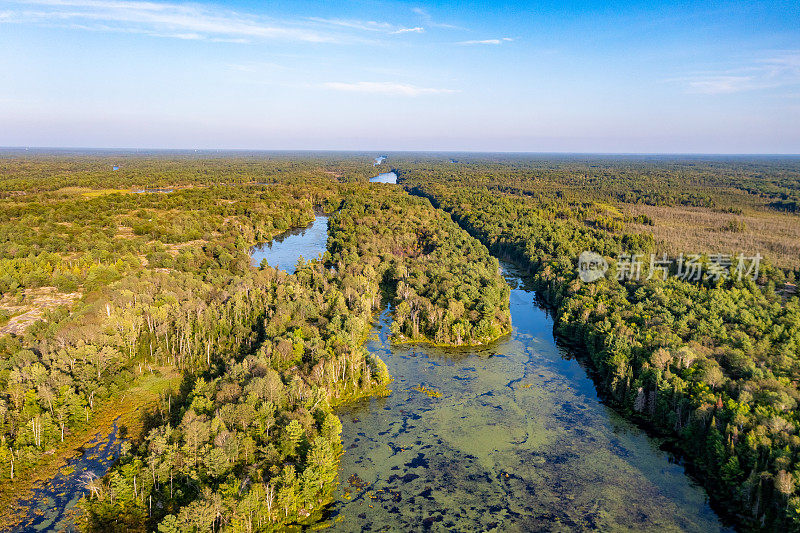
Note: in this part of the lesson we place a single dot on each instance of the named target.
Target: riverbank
(511, 435)
(124, 413)
(402, 339)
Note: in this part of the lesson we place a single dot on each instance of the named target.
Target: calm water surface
(53, 504)
(386, 177)
(284, 250)
(508, 437)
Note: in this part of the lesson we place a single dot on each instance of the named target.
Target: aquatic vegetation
(357, 482)
(429, 392)
(485, 455)
(711, 362)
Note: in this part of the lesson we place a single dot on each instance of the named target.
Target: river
(518, 440)
(507, 437)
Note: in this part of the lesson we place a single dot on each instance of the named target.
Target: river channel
(507, 437)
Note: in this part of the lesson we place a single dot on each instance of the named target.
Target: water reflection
(284, 251)
(386, 177)
(53, 504)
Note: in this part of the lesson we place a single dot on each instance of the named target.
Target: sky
(609, 77)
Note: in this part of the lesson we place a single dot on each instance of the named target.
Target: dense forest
(108, 276)
(163, 285)
(713, 361)
(706, 181)
(254, 440)
(700, 203)
(447, 288)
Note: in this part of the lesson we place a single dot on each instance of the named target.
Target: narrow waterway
(508, 437)
(53, 504)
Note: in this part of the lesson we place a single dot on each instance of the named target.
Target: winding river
(507, 437)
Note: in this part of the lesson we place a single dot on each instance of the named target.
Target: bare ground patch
(32, 307)
(125, 232)
(174, 249)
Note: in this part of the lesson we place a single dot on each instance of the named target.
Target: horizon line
(362, 151)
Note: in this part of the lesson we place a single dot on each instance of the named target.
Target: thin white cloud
(385, 88)
(779, 70)
(366, 25)
(785, 64)
(418, 29)
(487, 41)
(195, 22)
(720, 84)
(185, 21)
(140, 31)
(422, 13)
(184, 36)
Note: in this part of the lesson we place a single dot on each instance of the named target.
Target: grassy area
(676, 229)
(128, 408)
(102, 192)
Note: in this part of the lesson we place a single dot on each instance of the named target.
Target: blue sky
(688, 77)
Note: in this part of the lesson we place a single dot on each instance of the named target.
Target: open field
(685, 229)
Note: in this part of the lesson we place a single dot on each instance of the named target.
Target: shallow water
(284, 250)
(52, 507)
(517, 441)
(386, 177)
(508, 437)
